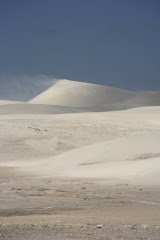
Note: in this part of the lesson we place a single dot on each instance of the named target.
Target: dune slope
(25, 108)
(132, 158)
(78, 94)
(8, 102)
(96, 98)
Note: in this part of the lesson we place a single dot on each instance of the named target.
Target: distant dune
(75, 97)
(149, 98)
(6, 102)
(76, 129)
(25, 108)
(78, 94)
(96, 98)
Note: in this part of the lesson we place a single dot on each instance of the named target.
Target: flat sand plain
(70, 174)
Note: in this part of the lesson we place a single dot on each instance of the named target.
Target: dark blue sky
(111, 42)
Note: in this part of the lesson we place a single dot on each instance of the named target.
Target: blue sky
(111, 42)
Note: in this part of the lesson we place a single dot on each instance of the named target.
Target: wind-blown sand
(77, 94)
(67, 154)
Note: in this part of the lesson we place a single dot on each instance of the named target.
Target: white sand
(135, 158)
(6, 102)
(26, 108)
(78, 94)
(92, 97)
(65, 141)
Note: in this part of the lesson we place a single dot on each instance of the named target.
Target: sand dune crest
(78, 94)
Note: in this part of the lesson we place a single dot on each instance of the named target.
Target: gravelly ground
(44, 208)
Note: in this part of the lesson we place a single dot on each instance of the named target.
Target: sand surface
(78, 94)
(7, 102)
(67, 172)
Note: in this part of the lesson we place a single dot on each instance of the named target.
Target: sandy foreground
(77, 209)
(70, 174)
(37, 205)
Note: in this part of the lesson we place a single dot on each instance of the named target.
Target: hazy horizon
(24, 88)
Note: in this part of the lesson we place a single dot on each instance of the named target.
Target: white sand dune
(71, 130)
(134, 158)
(25, 108)
(149, 98)
(56, 163)
(121, 147)
(140, 100)
(95, 98)
(6, 102)
(30, 108)
(78, 94)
